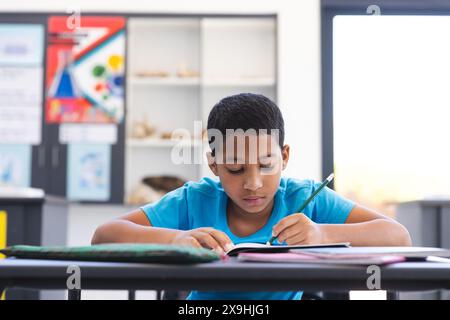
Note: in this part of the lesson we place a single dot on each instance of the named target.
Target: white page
(286, 247)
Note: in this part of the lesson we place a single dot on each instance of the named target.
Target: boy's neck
(243, 223)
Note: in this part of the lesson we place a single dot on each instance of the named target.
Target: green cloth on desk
(119, 252)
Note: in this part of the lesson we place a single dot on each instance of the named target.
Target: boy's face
(250, 173)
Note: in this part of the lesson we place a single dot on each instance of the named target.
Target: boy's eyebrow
(234, 159)
(271, 155)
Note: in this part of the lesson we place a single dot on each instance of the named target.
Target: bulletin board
(21, 81)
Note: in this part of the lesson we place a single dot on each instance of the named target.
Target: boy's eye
(268, 165)
(235, 171)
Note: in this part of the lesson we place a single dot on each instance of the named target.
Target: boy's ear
(212, 163)
(285, 155)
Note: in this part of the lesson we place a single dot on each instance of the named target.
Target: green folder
(119, 252)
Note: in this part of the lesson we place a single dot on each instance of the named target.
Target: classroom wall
(298, 85)
(298, 59)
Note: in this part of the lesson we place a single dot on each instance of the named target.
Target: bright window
(391, 108)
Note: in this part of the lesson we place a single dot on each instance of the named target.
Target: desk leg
(341, 295)
(131, 294)
(392, 295)
(74, 294)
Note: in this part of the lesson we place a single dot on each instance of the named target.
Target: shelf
(207, 45)
(164, 81)
(192, 23)
(228, 23)
(239, 82)
(195, 81)
(161, 143)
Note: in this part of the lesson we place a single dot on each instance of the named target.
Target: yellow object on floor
(3, 220)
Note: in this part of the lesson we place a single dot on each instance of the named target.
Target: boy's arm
(135, 227)
(363, 227)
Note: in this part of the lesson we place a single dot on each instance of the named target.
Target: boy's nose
(253, 181)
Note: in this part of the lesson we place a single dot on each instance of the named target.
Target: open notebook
(264, 248)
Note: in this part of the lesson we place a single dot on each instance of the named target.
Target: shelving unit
(168, 81)
(156, 142)
(191, 63)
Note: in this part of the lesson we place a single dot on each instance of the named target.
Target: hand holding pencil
(298, 228)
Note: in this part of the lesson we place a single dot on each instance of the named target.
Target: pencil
(311, 197)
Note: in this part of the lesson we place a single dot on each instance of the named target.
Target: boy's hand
(205, 237)
(297, 228)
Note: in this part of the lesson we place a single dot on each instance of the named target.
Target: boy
(251, 201)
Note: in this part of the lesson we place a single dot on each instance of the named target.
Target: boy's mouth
(254, 200)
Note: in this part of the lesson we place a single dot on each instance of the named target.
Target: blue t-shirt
(203, 204)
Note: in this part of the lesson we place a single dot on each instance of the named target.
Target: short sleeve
(330, 207)
(170, 211)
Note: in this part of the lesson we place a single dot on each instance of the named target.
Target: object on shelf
(142, 129)
(164, 183)
(151, 189)
(172, 135)
(153, 74)
(166, 135)
(204, 136)
(184, 72)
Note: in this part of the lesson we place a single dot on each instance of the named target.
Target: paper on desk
(291, 257)
(411, 253)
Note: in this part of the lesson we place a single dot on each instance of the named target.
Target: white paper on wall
(21, 83)
(88, 133)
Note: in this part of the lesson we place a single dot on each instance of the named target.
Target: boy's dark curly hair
(246, 111)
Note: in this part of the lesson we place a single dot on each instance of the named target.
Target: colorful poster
(85, 70)
(15, 165)
(21, 81)
(88, 172)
